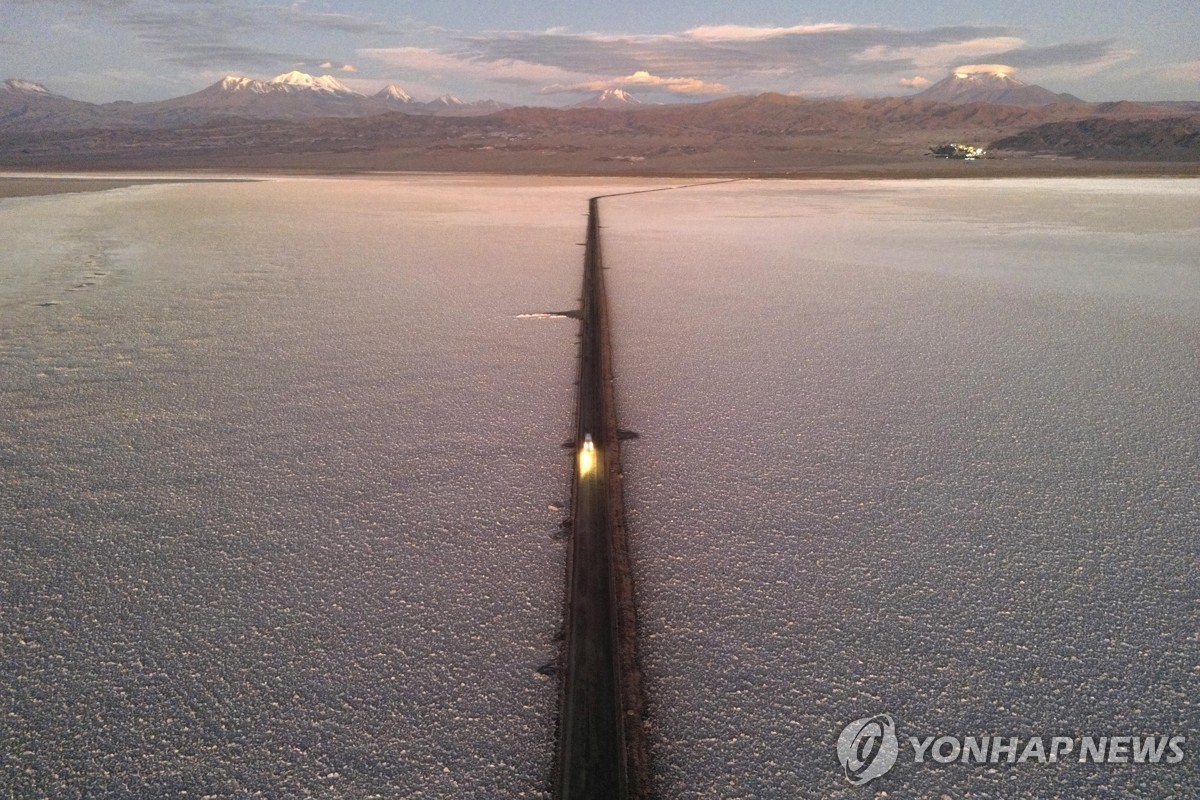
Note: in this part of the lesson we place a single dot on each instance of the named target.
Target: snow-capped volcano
(991, 83)
(394, 94)
(292, 95)
(611, 98)
(287, 82)
(292, 81)
(26, 87)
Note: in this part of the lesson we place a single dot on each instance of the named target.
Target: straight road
(591, 740)
(602, 752)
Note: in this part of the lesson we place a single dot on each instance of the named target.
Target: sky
(555, 52)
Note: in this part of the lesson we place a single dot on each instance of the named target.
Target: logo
(868, 748)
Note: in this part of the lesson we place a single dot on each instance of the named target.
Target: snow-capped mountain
(298, 81)
(450, 106)
(236, 83)
(292, 95)
(18, 86)
(991, 84)
(287, 83)
(611, 98)
(393, 94)
(31, 104)
(296, 95)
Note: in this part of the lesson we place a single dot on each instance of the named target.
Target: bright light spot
(587, 455)
(587, 462)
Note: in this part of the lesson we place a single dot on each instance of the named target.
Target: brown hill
(779, 115)
(767, 133)
(1173, 139)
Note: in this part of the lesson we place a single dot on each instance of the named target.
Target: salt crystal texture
(917, 448)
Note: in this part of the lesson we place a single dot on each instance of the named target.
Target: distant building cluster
(955, 150)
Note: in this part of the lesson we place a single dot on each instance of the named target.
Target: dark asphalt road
(603, 753)
(591, 745)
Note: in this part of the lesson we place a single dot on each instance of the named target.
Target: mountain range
(301, 120)
(290, 96)
(297, 96)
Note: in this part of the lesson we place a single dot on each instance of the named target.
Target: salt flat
(282, 479)
(919, 448)
(278, 460)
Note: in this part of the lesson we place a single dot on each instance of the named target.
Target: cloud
(746, 33)
(642, 80)
(1185, 71)
(936, 57)
(348, 68)
(431, 61)
(225, 35)
(825, 57)
(694, 86)
(805, 51)
(167, 26)
(915, 82)
(1086, 55)
(347, 23)
(201, 56)
(203, 36)
(719, 52)
(829, 57)
(327, 65)
(984, 69)
(1053, 64)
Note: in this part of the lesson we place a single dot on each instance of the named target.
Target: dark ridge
(1173, 139)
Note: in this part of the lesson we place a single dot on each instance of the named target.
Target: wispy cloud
(202, 36)
(645, 81)
(936, 56)
(327, 21)
(343, 68)
(201, 56)
(984, 69)
(1074, 54)
(226, 35)
(750, 33)
(168, 25)
(827, 49)
(433, 62)
(795, 57)
(1184, 71)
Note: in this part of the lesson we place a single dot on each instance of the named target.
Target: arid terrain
(769, 134)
